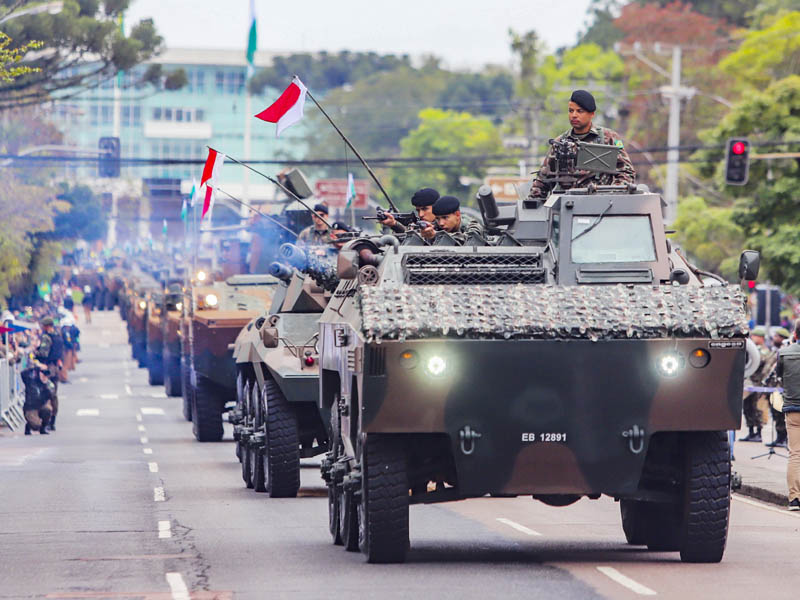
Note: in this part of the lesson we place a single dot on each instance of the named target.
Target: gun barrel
(281, 271)
(294, 255)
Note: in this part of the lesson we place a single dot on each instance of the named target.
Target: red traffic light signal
(737, 161)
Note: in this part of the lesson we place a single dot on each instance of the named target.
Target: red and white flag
(211, 172)
(288, 109)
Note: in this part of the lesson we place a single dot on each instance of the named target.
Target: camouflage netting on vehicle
(552, 312)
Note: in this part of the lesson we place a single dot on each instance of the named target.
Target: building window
(157, 114)
(168, 114)
(93, 120)
(126, 115)
(220, 77)
(179, 114)
(199, 114)
(137, 115)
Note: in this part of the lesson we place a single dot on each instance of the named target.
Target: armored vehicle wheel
(155, 370)
(707, 497)
(257, 452)
(281, 444)
(634, 521)
(186, 391)
(172, 381)
(206, 412)
(383, 507)
(241, 447)
(348, 521)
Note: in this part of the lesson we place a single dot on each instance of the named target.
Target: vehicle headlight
(670, 364)
(179, 306)
(142, 304)
(436, 365)
(201, 276)
(211, 300)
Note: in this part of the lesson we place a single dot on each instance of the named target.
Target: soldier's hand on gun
(427, 230)
(389, 221)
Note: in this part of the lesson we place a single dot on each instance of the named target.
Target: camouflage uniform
(467, 227)
(311, 236)
(753, 415)
(48, 352)
(596, 135)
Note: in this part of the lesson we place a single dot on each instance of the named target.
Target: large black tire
(257, 452)
(707, 497)
(186, 391)
(282, 444)
(155, 369)
(634, 521)
(206, 412)
(383, 507)
(348, 521)
(172, 380)
(333, 514)
(247, 469)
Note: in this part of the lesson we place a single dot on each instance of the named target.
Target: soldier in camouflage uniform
(581, 112)
(423, 201)
(317, 234)
(753, 415)
(50, 352)
(447, 211)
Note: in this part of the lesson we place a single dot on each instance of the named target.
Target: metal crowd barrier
(12, 395)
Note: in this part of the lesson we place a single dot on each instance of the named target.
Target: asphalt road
(121, 502)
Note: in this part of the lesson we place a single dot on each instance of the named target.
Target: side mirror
(679, 275)
(749, 263)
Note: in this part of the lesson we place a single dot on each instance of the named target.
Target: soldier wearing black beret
(581, 111)
(448, 217)
(423, 201)
(318, 233)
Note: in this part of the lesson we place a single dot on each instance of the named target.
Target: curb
(762, 494)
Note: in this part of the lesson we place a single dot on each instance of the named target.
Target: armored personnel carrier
(138, 300)
(571, 352)
(217, 313)
(171, 333)
(277, 421)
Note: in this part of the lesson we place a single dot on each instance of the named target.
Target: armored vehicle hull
(172, 353)
(154, 335)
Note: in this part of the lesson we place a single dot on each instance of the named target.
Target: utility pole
(673, 136)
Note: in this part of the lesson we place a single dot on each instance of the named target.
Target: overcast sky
(466, 33)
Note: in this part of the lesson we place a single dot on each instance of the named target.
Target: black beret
(321, 208)
(446, 205)
(425, 197)
(584, 99)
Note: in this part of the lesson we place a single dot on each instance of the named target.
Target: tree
(10, 69)
(600, 28)
(735, 12)
(445, 133)
(767, 207)
(83, 45)
(85, 217)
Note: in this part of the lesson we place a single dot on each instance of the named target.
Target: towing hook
(635, 437)
(467, 435)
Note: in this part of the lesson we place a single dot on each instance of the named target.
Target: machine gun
(404, 218)
(571, 160)
(323, 274)
(281, 271)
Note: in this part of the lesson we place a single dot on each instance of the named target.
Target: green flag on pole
(252, 41)
(351, 189)
(164, 227)
(184, 209)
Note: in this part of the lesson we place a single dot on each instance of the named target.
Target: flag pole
(288, 192)
(255, 210)
(356, 152)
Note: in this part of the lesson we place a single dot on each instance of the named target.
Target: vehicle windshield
(615, 239)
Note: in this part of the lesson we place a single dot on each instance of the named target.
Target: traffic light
(737, 161)
(108, 165)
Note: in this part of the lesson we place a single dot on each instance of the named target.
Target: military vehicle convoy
(277, 421)
(455, 371)
(171, 334)
(216, 314)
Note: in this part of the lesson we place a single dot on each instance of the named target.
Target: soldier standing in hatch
(581, 112)
(423, 201)
(50, 353)
(317, 234)
(447, 211)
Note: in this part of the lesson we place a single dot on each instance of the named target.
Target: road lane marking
(139, 417)
(143, 440)
(177, 586)
(142, 428)
(149, 410)
(781, 511)
(517, 526)
(88, 412)
(164, 530)
(153, 467)
(128, 390)
(83, 380)
(626, 581)
(161, 395)
(147, 450)
(158, 494)
(109, 396)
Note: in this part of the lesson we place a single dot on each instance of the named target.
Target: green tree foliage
(443, 133)
(84, 218)
(10, 69)
(600, 28)
(710, 236)
(767, 207)
(324, 71)
(83, 45)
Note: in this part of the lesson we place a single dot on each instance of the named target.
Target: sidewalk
(763, 478)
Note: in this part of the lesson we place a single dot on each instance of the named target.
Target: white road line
(83, 379)
(161, 395)
(158, 494)
(142, 428)
(143, 440)
(109, 396)
(128, 390)
(178, 586)
(517, 526)
(626, 581)
(147, 450)
(164, 530)
(149, 410)
(88, 412)
(781, 511)
(153, 467)
(139, 417)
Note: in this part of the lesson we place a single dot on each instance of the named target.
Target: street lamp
(52, 8)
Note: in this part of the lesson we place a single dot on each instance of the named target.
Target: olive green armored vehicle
(570, 352)
(214, 315)
(277, 421)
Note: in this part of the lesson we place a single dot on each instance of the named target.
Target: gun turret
(323, 274)
(281, 271)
